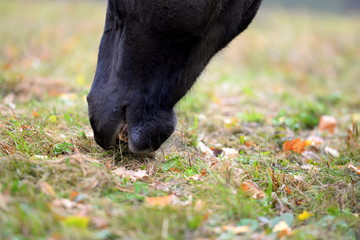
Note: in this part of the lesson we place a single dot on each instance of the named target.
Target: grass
(272, 84)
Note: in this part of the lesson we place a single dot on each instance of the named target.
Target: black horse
(150, 55)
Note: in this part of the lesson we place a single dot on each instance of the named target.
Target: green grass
(272, 84)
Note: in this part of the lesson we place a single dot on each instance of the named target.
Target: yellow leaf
(77, 221)
(52, 119)
(305, 215)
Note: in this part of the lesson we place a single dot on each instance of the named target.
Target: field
(247, 161)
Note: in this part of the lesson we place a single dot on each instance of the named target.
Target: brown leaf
(287, 190)
(4, 200)
(160, 186)
(282, 229)
(327, 123)
(252, 188)
(133, 175)
(99, 222)
(159, 201)
(47, 189)
(230, 152)
(236, 229)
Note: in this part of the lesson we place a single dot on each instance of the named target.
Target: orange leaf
(287, 190)
(356, 169)
(73, 195)
(295, 145)
(159, 201)
(249, 144)
(35, 114)
(252, 188)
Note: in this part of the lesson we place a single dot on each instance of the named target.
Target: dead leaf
(195, 177)
(249, 143)
(160, 186)
(133, 175)
(252, 188)
(217, 151)
(332, 152)
(204, 149)
(295, 145)
(356, 169)
(327, 123)
(236, 229)
(35, 114)
(287, 189)
(47, 189)
(127, 190)
(73, 195)
(310, 167)
(283, 229)
(230, 152)
(4, 200)
(99, 222)
(299, 178)
(160, 201)
(315, 140)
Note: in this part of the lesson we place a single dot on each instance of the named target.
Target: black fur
(150, 55)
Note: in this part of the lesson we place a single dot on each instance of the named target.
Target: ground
(248, 160)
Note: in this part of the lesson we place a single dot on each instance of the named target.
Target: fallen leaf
(295, 145)
(356, 169)
(315, 140)
(299, 178)
(203, 172)
(327, 123)
(99, 222)
(204, 149)
(230, 152)
(174, 170)
(236, 229)
(332, 152)
(305, 215)
(252, 188)
(47, 189)
(283, 229)
(310, 167)
(4, 200)
(133, 175)
(287, 190)
(36, 114)
(195, 177)
(77, 221)
(73, 195)
(65, 207)
(160, 186)
(217, 151)
(159, 201)
(127, 190)
(249, 143)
